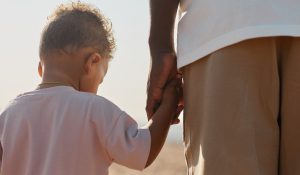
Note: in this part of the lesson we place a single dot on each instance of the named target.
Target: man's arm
(161, 43)
(163, 14)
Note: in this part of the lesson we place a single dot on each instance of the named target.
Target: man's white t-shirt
(61, 131)
(209, 25)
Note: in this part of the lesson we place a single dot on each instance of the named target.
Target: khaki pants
(242, 109)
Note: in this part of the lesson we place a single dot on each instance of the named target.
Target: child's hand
(172, 98)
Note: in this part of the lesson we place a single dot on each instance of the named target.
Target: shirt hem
(234, 37)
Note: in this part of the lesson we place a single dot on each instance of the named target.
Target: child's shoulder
(95, 99)
(97, 103)
(102, 112)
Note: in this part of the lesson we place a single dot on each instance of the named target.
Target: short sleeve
(127, 144)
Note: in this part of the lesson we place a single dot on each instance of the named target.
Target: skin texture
(163, 57)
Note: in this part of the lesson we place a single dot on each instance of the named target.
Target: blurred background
(125, 83)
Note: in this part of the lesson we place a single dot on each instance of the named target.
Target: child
(63, 127)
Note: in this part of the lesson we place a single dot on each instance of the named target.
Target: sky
(21, 23)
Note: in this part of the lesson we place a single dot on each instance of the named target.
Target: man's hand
(163, 69)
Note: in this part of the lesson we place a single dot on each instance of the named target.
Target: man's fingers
(151, 107)
(163, 67)
(153, 100)
(154, 97)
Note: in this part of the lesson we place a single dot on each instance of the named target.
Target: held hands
(163, 70)
(171, 98)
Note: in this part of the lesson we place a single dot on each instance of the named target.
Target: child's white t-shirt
(61, 131)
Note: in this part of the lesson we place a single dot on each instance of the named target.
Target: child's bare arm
(162, 119)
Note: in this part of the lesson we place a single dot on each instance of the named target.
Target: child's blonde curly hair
(74, 26)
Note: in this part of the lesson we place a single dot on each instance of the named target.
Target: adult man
(240, 61)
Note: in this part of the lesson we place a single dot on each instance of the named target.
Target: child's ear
(91, 62)
(40, 69)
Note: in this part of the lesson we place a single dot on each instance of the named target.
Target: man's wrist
(159, 49)
(161, 44)
(160, 52)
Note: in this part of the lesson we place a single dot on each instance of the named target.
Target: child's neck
(56, 79)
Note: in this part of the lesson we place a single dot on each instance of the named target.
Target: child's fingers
(178, 111)
(181, 100)
(175, 121)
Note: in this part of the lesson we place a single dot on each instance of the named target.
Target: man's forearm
(163, 14)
